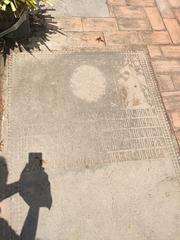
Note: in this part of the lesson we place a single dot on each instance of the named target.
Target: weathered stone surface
(90, 8)
(173, 28)
(155, 18)
(136, 24)
(98, 120)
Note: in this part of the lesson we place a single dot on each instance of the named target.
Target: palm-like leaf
(13, 5)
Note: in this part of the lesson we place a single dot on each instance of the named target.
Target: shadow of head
(34, 183)
(3, 172)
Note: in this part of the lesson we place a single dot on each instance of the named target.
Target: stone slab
(81, 8)
(112, 161)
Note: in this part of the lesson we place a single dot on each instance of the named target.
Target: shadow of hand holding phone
(34, 188)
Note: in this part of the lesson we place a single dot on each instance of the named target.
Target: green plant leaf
(6, 2)
(15, 4)
(13, 7)
(3, 7)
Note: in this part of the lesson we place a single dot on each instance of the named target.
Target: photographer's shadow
(34, 188)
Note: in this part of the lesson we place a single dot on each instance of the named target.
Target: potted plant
(14, 17)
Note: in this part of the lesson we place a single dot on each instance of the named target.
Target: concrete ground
(91, 108)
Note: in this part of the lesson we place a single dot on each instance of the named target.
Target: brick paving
(154, 24)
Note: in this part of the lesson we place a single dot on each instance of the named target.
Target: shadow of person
(35, 190)
(6, 190)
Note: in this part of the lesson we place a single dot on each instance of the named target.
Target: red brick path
(154, 24)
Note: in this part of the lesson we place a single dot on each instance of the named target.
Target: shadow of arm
(30, 225)
(9, 190)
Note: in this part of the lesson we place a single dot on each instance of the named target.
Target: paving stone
(176, 119)
(111, 10)
(174, 3)
(100, 24)
(176, 80)
(129, 12)
(141, 2)
(154, 51)
(171, 51)
(116, 2)
(70, 40)
(139, 38)
(174, 29)
(82, 39)
(177, 14)
(123, 37)
(84, 8)
(155, 18)
(165, 8)
(136, 24)
(166, 65)
(171, 100)
(156, 37)
(70, 24)
(165, 82)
